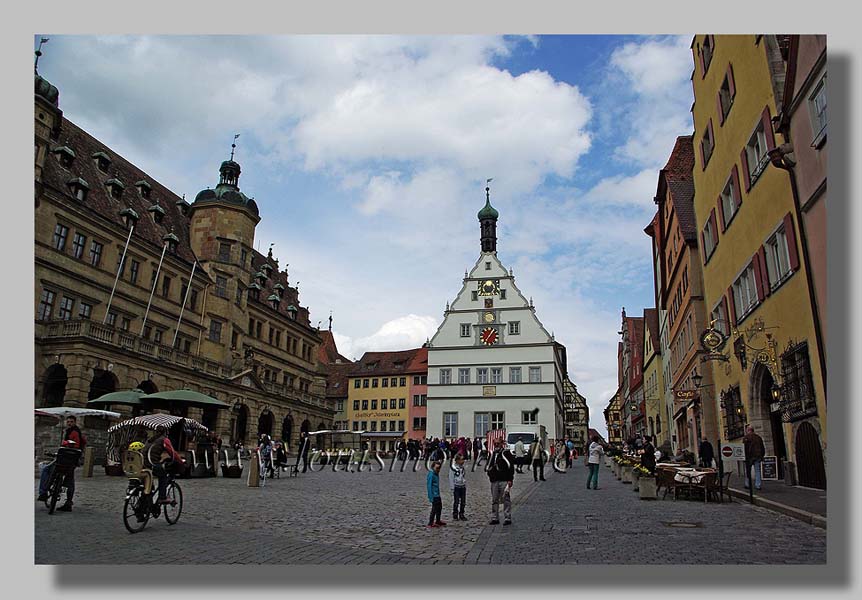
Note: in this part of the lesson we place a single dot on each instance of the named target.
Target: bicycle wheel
(55, 488)
(135, 512)
(175, 508)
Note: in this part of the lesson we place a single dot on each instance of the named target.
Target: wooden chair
(707, 484)
(721, 487)
(664, 479)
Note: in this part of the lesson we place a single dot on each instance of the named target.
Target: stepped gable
(651, 319)
(383, 363)
(99, 202)
(677, 178)
(290, 296)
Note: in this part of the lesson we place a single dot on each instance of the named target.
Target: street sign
(732, 451)
(685, 394)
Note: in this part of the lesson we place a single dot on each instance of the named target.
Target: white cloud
(402, 333)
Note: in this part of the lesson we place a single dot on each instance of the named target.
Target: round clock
(489, 287)
(489, 336)
(488, 317)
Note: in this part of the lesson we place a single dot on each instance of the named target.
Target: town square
(430, 300)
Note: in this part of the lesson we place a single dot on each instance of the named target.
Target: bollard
(88, 462)
(253, 473)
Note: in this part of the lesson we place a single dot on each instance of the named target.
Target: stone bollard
(253, 472)
(88, 462)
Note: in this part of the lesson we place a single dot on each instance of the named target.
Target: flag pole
(183, 307)
(153, 291)
(117, 277)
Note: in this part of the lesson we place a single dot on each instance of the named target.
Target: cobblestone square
(379, 518)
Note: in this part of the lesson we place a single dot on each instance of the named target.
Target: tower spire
(39, 53)
(488, 221)
(233, 146)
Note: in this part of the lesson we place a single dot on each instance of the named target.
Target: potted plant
(635, 477)
(626, 471)
(647, 484)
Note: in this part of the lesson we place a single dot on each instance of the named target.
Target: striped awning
(121, 434)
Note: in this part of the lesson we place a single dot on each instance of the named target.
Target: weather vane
(233, 146)
(39, 53)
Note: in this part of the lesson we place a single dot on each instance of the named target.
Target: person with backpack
(501, 472)
(73, 437)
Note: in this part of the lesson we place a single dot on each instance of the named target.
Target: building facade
(613, 420)
(653, 379)
(418, 372)
(491, 363)
(378, 389)
(336, 367)
(136, 288)
(577, 416)
(757, 284)
(630, 376)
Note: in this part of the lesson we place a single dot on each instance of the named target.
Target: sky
(368, 156)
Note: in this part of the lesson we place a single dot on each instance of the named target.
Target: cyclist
(167, 460)
(72, 438)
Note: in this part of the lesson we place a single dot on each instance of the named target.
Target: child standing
(458, 485)
(433, 485)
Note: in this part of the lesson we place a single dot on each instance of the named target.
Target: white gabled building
(491, 363)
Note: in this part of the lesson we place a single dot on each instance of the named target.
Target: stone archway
(265, 423)
(148, 387)
(810, 468)
(241, 427)
(767, 423)
(54, 388)
(287, 430)
(103, 383)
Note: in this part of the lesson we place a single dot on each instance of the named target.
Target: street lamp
(776, 392)
(697, 378)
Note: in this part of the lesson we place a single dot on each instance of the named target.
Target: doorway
(809, 457)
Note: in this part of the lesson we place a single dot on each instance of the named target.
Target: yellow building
(653, 385)
(377, 392)
(755, 284)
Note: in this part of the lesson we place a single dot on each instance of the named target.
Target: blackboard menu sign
(769, 468)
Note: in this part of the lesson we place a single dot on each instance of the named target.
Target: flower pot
(635, 480)
(627, 475)
(647, 489)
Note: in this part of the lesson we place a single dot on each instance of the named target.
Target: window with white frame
(707, 52)
(777, 257)
(498, 420)
(725, 97)
(482, 375)
(707, 144)
(719, 315)
(535, 374)
(463, 375)
(709, 238)
(729, 201)
(817, 108)
(528, 417)
(450, 424)
(514, 374)
(481, 424)
(64, 310)
(465, 330)
(514, 327)
(496, 375)
(744, 292)
(755, 154)
(445, 376)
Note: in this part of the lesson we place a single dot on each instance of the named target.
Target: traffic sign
(733, 451)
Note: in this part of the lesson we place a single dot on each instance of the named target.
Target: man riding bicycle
(72, 438)
(165, 460)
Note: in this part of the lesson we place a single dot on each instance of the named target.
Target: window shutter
(702, 159)
(702, 248)
(726, 313)
(791, 242)
(714, 226)
(764, 272)
(767, 129)
(732, 306)
(735, 174)
(720, 210)
(743, 157)
(711, 135)
(758, 277)
(730, 83)
(720, 110)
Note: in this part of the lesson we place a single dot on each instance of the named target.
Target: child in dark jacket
(433, 486)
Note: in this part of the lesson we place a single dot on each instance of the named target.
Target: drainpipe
(779, 158)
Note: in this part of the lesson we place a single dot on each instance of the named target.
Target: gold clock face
(488, 317)
(489, 287)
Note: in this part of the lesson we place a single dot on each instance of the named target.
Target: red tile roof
(680, 184)
(327, 352)
(419, 364)
(336, 379)
(384, 363)
(651, 320)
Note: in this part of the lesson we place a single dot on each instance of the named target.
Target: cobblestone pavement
(379, 518)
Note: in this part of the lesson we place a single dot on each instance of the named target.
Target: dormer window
(274, 300)
(183, 206)
(103, 161)
(79, 188)
(254, 291)
(65, 155)
(172, 241)
(130, 217)
(157, 212)
(115, 188)
(144, 188)
(291, 312)
(279, 289)
(260, 276)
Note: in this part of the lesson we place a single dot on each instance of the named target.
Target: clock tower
(492, 364)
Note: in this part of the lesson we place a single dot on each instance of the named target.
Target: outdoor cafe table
(691, 476)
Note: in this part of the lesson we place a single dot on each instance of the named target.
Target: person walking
(706, 453)
(520, 453)
(501, 473)
(432, 483)
(570, 449)
(458, 485)
(754, 452)
(594, 460)
(303, 450)
(648, 456)
(538, 458)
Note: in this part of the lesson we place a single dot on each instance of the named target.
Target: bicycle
(65, 462)
(139, 505)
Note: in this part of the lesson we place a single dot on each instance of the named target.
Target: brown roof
(100, 203)
(637, 334)
(651, 320)
(680, 184)
(336, 379)
(591, 432)
(383, 363)
(419, 364)
(327, 352)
